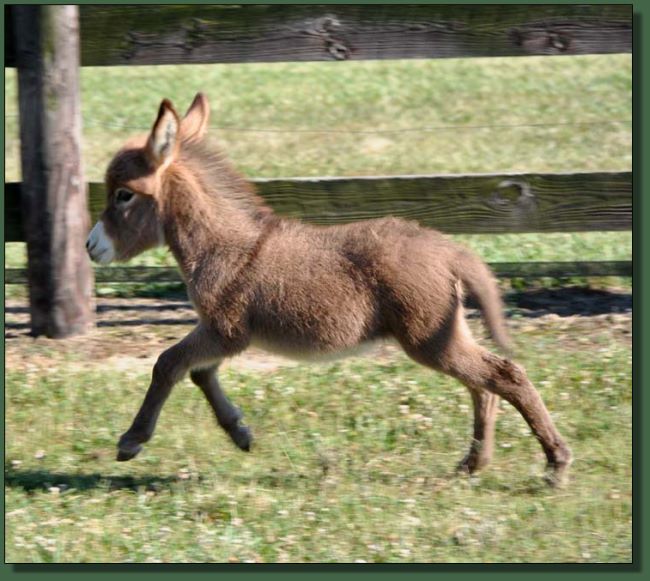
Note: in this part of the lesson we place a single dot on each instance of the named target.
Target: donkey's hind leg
(509, 380)
(479, 369)
(454, 351)
(228, 416)
(482, 446)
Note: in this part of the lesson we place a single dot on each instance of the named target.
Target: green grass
(353, 461)
(368, 96)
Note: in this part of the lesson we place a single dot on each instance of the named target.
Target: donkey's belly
(307, 352)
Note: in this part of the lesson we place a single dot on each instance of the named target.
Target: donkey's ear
(195, 122)
(162, 144)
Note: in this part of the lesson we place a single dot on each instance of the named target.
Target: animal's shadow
(35, 480)
(568, 301)
(42, 480)
(565, 302)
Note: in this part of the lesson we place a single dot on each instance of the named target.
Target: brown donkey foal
(298, 289)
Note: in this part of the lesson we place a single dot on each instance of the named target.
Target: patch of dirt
(131, 333)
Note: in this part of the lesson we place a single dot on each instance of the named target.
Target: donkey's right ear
(195, 123)
(162, 144)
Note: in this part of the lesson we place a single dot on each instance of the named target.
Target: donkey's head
(135, 183)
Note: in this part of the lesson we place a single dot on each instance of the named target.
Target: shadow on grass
(567, 301)
(122, 323)
(563, 301)
(38, 480)
(533, 486)
(168, 305)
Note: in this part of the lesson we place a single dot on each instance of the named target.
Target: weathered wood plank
(53, 210)
(151, 274)
(472, 204)
(175, 34)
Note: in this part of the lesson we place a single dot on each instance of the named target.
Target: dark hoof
(123, 455)
(466, 466)
(126, 451)
(472, 463)
(242, 437)
(557, 475)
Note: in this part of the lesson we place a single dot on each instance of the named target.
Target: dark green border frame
(487, 571)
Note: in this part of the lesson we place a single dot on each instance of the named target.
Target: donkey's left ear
(162, 144)
(195, 123)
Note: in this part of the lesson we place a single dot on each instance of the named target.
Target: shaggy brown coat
(302, 290)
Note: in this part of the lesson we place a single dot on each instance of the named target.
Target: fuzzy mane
(219, 178)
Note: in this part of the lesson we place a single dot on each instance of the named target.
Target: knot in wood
(338, 50)
(328, 23)
(558, 41)
(540, 40)
(513, 194)
(325, 28)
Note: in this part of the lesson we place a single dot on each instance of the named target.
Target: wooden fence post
(54, 206)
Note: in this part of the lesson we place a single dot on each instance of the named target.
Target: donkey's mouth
(103, 258)
(99, 245)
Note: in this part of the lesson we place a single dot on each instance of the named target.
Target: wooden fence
(141, 35)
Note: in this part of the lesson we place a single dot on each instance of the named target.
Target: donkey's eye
(123, 196)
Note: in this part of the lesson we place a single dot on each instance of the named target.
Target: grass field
(353, 460)
(374, 95)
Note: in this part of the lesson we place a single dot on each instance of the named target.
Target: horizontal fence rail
(173, 34)
(456, 204)
(563, 269)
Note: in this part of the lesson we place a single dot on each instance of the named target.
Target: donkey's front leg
(198, 348)
(228, 416)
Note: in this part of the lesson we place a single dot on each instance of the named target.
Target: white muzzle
(99, 245)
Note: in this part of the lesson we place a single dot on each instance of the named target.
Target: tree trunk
(55, 212)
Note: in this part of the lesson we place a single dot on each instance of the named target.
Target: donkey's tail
(482, 287)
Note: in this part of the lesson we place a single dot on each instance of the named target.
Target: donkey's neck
(211, 238)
